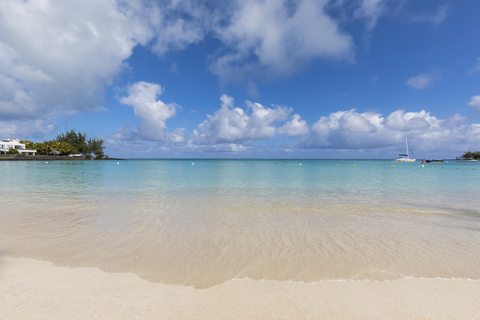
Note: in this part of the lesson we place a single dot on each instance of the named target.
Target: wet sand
(34, 289)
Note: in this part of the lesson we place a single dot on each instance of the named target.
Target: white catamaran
(404, 157)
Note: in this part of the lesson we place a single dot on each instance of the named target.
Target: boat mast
(406, 142)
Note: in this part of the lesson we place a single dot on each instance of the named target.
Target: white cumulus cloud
(235, 125)
(58, 56)
(177, 24)
(152, 114)
(401, 121)
(277, 38)
(294, 127)
(370, 130)
(232, 128)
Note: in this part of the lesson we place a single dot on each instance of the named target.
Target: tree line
(471, 155)
(70, 142)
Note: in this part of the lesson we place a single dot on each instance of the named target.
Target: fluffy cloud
(234, 125)
(343, 128)
(294, 127)
(233, 128)
(177, 24)
(277, 38)
(58, 56)
(152, 114)
(421, 81)
(475, 102)
(352, 130)
(410, 121)
(257, 128)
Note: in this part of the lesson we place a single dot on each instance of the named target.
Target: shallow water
(201, 222)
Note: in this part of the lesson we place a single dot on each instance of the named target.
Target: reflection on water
(204, 224)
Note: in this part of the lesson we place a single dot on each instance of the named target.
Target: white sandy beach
(33, 289)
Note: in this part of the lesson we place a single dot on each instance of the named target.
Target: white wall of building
(7, 144)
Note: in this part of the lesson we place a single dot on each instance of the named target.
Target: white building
(7, 144)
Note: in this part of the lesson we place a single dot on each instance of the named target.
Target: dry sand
(33, 289)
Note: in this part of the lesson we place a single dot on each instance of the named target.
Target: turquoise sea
(200, 222)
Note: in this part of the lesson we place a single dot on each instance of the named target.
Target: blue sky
(253, 78)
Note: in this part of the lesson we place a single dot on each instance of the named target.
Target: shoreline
(36, 289)
(15, 157)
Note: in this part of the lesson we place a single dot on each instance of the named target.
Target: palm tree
(40, 147)
(65, 148)
(48, 145)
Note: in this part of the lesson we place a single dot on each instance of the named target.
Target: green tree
(28, 144)
(12, 151)
(48, 146)
(63, 148)
(67, 143)
(77, 140)
(96, 147)
(40, 147)
(471, 155)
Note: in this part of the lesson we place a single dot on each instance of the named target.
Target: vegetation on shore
(471, 155)
(66, 143)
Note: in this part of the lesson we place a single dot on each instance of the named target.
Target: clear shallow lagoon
(201, 222)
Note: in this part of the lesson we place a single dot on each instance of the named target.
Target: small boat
(467, 160)
(404, 157)
(434, 161)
